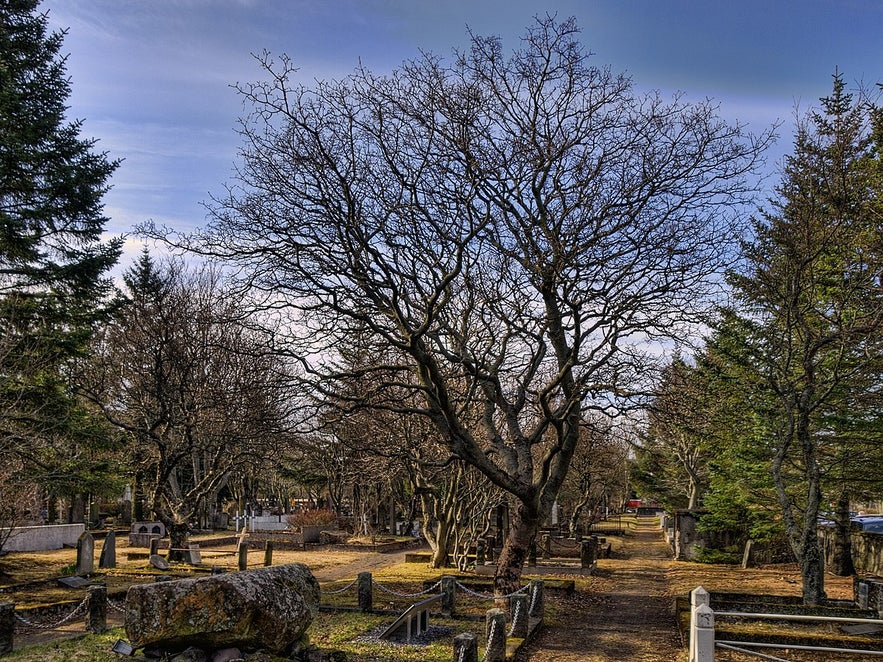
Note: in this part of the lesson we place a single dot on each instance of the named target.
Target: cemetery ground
(624, 611)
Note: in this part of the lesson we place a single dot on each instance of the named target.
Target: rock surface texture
(266, 608)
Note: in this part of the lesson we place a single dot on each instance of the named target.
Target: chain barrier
(490, 638)
(564, 542)
(533, 601)
(51, 626)
(406, 595)
(116, 607)
(488, 596)
(341, 590)
(515, 618)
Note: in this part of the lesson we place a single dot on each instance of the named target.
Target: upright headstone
(268, 553)
(746, 555)
(863, 595)
(243, 555)
(108, 557)
(154, 545)
(193, 554)
(85, 554)
(587, 550)
(96, 615)
(495, 631)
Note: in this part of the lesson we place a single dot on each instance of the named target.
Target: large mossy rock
(266, 608)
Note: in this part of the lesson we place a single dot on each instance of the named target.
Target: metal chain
(116, 607)
(488, 596)
(515, 618)
(406, 595)
(348, 586)
(490, 638)
(533, 601)
(462, 654)
(52, 626)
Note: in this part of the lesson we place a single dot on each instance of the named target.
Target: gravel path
(626, 615)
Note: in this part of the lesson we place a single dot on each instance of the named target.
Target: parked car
(870, 523)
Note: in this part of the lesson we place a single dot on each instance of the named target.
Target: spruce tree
(54, 284)
(814, 313)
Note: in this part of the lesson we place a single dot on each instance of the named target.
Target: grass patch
(87, 648)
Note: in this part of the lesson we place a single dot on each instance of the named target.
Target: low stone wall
(867, 550)
(687, 539)
(39, 538)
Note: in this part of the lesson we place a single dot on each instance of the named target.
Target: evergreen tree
(53, 263)
(813, 311)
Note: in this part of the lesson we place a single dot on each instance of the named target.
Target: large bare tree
(502, 234)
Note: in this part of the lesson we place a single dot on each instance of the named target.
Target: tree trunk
(812, 570)
(841, 557)
(522, 531)
(177, 541)
(441, 549)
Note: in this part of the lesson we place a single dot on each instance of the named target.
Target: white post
(702, 634)
(698, 597)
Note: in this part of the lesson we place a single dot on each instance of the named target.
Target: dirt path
(626, 615)
(365, 562)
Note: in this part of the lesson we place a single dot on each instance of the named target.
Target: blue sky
(151, 78)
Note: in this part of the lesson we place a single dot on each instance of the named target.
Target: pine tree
(814, 310)
(54, 286)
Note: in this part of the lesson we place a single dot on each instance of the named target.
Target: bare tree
(599, 472)
(508, 234)
(188, 382)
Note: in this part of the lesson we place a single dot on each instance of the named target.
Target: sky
(152, 79)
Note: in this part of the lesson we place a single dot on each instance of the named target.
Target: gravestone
(158, 562)
(85, 554)
(746, 555)
(193, 555)
(108, 558)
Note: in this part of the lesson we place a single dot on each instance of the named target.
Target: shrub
(313, 517)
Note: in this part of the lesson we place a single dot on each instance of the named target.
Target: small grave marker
(158, 562)
(108, 558)
(85, 554)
